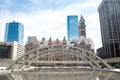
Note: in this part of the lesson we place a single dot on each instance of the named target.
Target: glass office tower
(72, 27)
(109, 13)
(5, 51)
(14, 32)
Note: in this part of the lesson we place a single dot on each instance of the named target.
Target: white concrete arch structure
(93, 60)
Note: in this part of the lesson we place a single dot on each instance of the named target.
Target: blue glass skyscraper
(72, 27)
(14, 32)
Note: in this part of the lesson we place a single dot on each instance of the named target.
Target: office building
(18, 50)
(72, 27)
(14, 32)
(109, 14)
(11, 50)
(5, 50)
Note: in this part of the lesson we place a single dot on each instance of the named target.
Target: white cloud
(54, 23)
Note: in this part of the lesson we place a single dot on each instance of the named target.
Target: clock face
(82, 24)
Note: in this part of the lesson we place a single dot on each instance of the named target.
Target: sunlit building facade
(18, 50)
(14, 32)
(72, 27)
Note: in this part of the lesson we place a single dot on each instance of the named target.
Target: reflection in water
(97, 78)
(62, 75)
(93, 75)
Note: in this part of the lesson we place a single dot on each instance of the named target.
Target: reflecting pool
(61, 74)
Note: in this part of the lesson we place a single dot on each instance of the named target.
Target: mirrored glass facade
(72, 27)
(109, 13)
(14, 32)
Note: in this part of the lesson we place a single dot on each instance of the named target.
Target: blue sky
(45, 18)
(33, 5)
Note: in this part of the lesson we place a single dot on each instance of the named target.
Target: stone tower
(82, 27)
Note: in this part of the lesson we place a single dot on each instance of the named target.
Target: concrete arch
(92, 59)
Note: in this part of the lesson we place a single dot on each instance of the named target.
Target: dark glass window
(5, 51)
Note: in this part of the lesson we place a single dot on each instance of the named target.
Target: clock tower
(82, 27)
